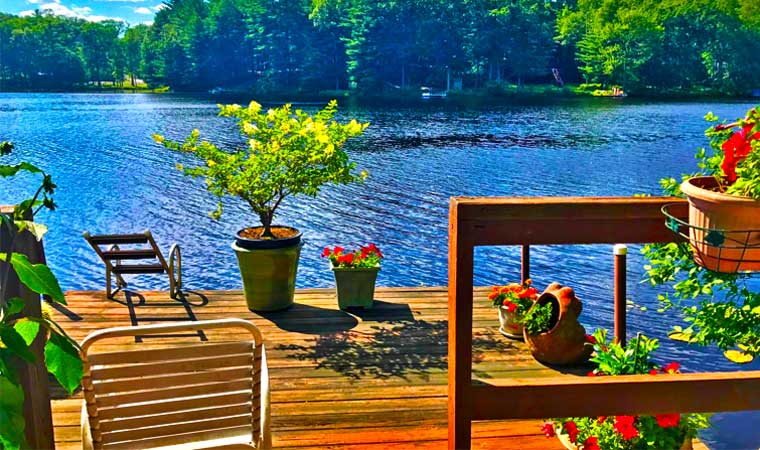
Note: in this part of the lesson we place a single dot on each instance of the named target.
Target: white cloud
(159, 7)
(58, 9)
(143, 10)
(148, 23)
(37, 2)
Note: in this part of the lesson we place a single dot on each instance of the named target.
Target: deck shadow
(384, 312)
(307, 319)
(402, 350)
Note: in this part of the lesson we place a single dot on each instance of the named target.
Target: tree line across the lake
(379, 46)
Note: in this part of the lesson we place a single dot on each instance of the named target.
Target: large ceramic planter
(708, 209)
(355, 287)
(565, 341)
(509, 325)
(565, 440)
(268, 269)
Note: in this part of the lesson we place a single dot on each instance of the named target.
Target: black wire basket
(719, 250)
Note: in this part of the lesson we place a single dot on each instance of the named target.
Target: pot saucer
(510, 335)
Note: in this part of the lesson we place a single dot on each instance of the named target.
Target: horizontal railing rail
(477, 222)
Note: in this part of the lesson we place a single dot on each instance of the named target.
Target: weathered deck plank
(375, 379)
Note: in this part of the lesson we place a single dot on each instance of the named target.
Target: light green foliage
(537, 319)
(18, 331)
(287, 153)
(719, 308)
(614, 359)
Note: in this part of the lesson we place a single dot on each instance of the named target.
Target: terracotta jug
(565, 342)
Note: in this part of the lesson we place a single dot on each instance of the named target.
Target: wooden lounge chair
(190, 396)
(113, 256)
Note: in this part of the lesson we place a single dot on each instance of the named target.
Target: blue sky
(131, 11)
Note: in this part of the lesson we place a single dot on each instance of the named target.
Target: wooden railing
(477, 222)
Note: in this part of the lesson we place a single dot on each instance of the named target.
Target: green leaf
(27, 329)
(11, 415)
(738, 357)
(15, 343)
(62, 360)
(37, 229)
(15, 305)
(36, 277)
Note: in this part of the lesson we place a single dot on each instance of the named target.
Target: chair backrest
(144, 398)
(113, 252)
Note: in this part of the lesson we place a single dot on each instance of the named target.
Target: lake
(112, 178)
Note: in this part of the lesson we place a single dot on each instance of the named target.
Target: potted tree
(287, 153)
(355, 274)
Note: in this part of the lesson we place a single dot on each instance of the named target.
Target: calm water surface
(112, 178)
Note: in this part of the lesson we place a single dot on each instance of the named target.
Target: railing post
(620, 251)
(525, 264)
(34, 379)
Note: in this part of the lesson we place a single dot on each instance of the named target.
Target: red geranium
(367, 256)
(668, 420)
(591, 443)
(671, 368)
(736, 149)
(548, 429)
(517, 298)
(511, 307)
(571, 429)
(625, 427)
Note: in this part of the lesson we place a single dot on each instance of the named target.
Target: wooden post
(620, 251)
(461, 262)
(34, 377)
(525, 264)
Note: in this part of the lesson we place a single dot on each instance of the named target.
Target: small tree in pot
(287, 153)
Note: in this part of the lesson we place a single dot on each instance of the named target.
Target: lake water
(112, 178)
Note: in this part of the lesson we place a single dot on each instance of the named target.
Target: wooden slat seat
(112, 255)
(130, 254)
(123, 269)
(213, 393)
(107, 239)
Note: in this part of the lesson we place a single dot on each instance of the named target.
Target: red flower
(624, 426)
(590, 339)
(493, 295)
(671, 368)
(591, 374)
(349, 258)
(373, 248)
(668, 420)
(592, 443)
(511, 307)
(736, 148)
(653, 372)
(601, 419)
(548, 429)
(338, 250)
(572, 430)
(326, 252)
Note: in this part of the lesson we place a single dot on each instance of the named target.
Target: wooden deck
(372, 379)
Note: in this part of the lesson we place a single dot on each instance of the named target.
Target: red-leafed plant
(365, 256)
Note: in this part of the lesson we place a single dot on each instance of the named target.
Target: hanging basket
(723, 230)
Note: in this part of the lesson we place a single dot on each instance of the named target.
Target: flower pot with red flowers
(355, 274)
(513, 301)
(658, 432)
(724, 204)
(552, 330)
(287, 153)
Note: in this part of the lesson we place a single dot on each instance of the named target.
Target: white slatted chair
(195, 396)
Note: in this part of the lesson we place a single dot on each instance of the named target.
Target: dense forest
(645, 46)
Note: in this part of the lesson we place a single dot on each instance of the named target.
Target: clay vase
(565, 342)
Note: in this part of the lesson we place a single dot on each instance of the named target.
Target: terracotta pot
(565, 342)
(565, 440)
(714, 210)
(509, 324)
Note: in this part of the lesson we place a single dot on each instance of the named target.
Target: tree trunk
(34, 379)
(266, 222)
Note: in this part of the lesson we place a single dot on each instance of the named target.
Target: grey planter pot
(355, 286)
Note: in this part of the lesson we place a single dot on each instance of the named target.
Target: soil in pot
(251, 238)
